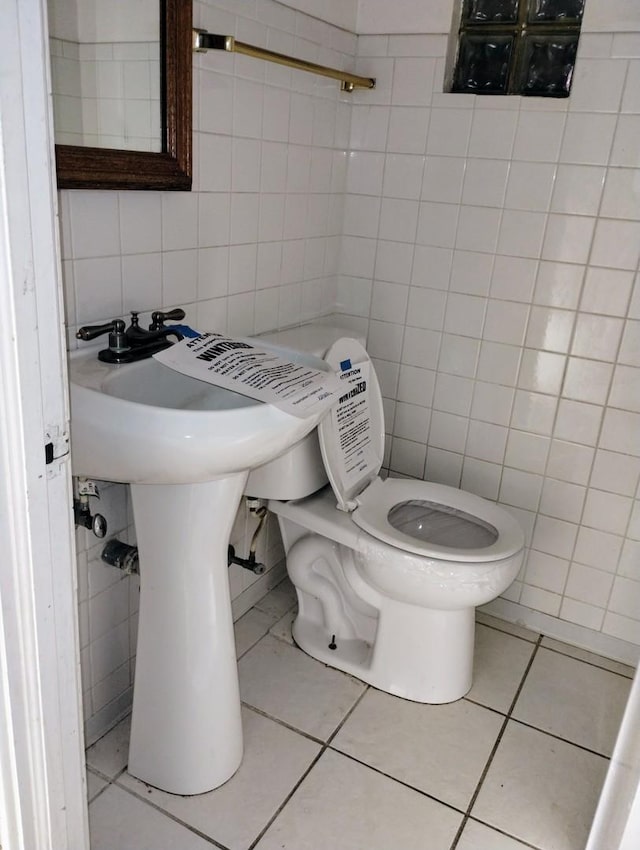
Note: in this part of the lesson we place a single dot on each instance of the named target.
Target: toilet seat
(352, 444)
(380, 497)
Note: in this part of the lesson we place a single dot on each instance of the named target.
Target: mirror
(100, 121)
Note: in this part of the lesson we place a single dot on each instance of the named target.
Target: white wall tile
(437, 224)
(541, 371)
(443, 467)
(554, 536)
(459, 355)
(598, 549)
(625, 148)
(443, 179)
(499, 363)
(408, 130)
(546, 571)
(620, 431)
(94, 220)
(616, 473)
(426, 308)
(588, 138)
(625, 390)
(562, 500)
(578, 189)
(570, 461)
(464, 315)
(471, 272)
(521, 233)
(587, 380)
(630, 96)
(550, 329)
(403, 176)
(558, 285)
(597, 337)
(513, 278)
(538, 136)
(398, 220)
(606, 511)
(568, 238)
(606, 291)
(527, 452)
(616, 244)
(478, 229)
(449, 131)
(492, 133)
(597, 85)
(588, 585)
(530, 186)
(492, 403)
(485, 182)
(431, 267)
(578, 422)
(412, 82)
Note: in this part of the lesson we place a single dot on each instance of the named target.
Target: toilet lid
(437, 521)
(352, 433)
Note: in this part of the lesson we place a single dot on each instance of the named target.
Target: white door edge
(42, 781)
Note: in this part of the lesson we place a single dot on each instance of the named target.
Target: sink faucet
(134, 343)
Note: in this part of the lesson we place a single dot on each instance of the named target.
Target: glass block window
(525, 47)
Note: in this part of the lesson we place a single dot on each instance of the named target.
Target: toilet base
(418, 654)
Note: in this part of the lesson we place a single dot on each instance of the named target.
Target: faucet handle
(88, 332)
(158, 318)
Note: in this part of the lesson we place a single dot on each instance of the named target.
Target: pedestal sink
(186, 448)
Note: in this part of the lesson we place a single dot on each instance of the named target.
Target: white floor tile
(500, 661)
(505, 626)
(346, 806)
(279, 600)
(250, 628)
(274, 760)
(476, 836)
(439, 749)
(574, 700)
(118, 821)
(289, 685)
(541, 790)
(282, 629)
(95, 784)
(589, 657)
(110, 754)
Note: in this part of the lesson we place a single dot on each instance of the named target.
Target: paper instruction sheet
(262, 374)
(352, 424)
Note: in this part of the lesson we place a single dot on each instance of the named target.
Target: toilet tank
(299, 472)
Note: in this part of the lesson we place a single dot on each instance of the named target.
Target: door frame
(42, 778)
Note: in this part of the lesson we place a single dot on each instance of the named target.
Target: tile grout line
(559, 738)
(397, 781)
(324, 748)
(558, 651)
(169, 815)
(494, 749)
(502, 832)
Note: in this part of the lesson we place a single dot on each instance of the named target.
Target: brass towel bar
(203, 41)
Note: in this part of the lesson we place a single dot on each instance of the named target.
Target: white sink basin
(186, 448)
(144, 423)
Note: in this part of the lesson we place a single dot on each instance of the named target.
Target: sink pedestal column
(186, 733)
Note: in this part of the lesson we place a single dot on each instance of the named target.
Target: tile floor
(332, 763)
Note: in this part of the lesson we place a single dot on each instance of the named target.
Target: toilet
(388, 572)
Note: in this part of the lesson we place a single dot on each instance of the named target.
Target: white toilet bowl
(389, 578)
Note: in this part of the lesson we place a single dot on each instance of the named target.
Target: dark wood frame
(103, 168)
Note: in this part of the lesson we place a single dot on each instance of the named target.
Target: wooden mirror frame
(105, 168)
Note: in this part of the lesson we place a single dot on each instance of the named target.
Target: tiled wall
(254, 247)
(106, 95)
(492, 246)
